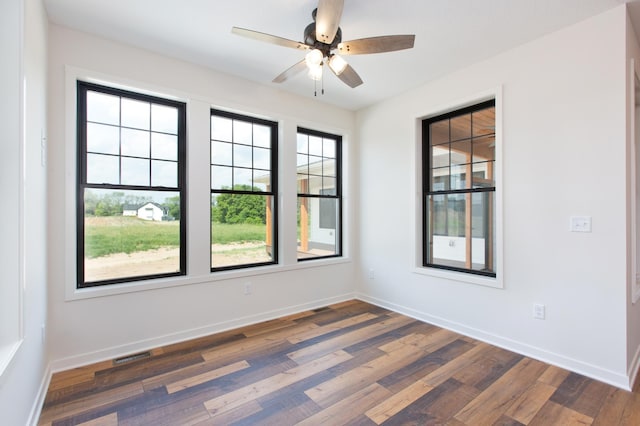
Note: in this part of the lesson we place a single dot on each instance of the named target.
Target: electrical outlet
(372, 274)
(247, 288)
(539, 311)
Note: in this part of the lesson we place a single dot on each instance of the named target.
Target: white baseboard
(615, 379)
(154, 342)
(36, 408)
(634, 367)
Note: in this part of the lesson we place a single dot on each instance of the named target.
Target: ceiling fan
(322, 37)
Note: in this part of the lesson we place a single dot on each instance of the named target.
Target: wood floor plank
(554, 376)
(345, 410)
(330, 345)
(530, 402)
(251, 392)
(334, 326)
(206, 377)
(397, 402)
(108, 420)
(613, 408)
(555, 414)
(492, 403)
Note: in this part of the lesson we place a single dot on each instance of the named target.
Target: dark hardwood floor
(350, 363)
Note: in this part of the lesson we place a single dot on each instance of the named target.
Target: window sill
(460, 277)
(136, 286)
(7, 353)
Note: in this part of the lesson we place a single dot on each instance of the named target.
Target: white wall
(563, 152)
(24, 379)
(85, 329)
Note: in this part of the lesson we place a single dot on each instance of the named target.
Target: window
(131, 197)
(243, 191)
(459, 190)
(319, 194)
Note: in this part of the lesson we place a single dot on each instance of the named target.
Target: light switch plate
(580, 224)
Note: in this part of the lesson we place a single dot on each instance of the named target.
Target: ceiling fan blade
(376, 44)
(349, 76)
(291, 71)
(328, 19)
(256, 35)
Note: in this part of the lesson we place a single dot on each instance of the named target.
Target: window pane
(221, 177)
(164, 119)
(130, 233)
(135, 143)
(241, 236)
(164, 147)
(102, 169)
(439, 132)
(461, 127)
(483, 176)
(103, 108)
(261, 180)
(103, 139)
(242, 156)
(484, 122)
(484, 149)
(317, 227)
(262, 158)
(242, 179)
(483, 223)
(461, 152)
(135, 171)
(164, 173)
(221, 129)
(303, 143)
(459, 177)
(446, 230)
(440, 179)
(315, 146)
(303, 164)
(222, 153)
(136, 114)
(329, 167)
(242, 132)
(303, 185)
(440, 156)
(261, 136)
(329, 148)
(328, 186)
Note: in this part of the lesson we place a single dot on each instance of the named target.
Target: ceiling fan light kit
(324, 35)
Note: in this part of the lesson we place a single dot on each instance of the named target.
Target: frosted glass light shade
(315, 72)
(314, 58)
(337, 64)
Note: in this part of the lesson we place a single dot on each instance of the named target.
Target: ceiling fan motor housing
(310, 40)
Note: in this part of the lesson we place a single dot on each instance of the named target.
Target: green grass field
(121, 234)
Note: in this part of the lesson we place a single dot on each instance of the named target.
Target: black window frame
(82, 87)
(427, 191)
(272, 193)
(323, 197)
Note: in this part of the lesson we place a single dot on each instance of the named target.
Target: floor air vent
(131, 358)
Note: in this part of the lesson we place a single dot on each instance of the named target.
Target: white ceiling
(449, 34)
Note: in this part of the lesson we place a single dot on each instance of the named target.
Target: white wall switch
(580, 224)
(539, 311)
